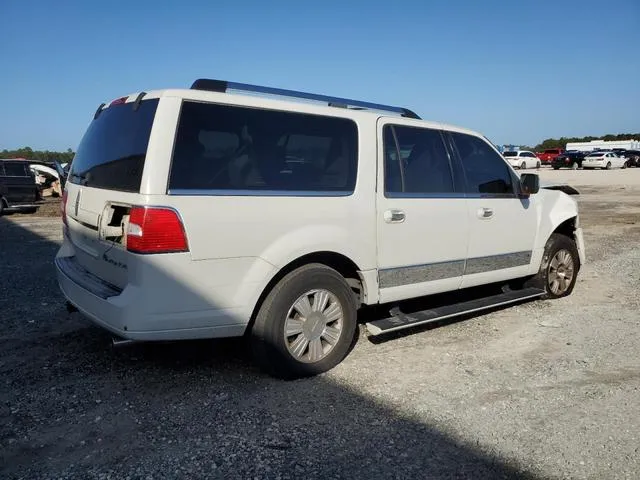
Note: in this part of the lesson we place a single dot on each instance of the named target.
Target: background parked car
(522, 159)
(604, 160)
(633, 158)
(548, 155)
(18, 188)
(572, 159)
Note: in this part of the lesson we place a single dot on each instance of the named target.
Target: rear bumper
(123, 312)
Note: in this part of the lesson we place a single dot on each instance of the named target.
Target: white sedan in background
(606, 160)
(522, 159)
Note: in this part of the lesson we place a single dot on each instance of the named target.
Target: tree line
(39, 155)
(50, 156)
(562, 141)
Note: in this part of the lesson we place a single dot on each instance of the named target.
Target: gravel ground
(541, 390)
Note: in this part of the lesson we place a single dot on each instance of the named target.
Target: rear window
(15, 169)
(231, 148)
(510, 154)
(112, 152)
(552, 150)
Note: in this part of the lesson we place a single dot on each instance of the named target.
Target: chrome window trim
(259, 193)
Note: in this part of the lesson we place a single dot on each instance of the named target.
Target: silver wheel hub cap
(561, 269)
(313, 326)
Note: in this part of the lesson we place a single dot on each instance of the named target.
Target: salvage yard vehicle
(570, 159)
(548, 155)
(18, 189)
(633, 158)
(217, 212)
(522, 159)
(604, 160)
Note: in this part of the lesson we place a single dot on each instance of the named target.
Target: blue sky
(518, 71)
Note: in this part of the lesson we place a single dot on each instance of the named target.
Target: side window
(14, 169)
(419, 164)
(223, 147)
(486, 171)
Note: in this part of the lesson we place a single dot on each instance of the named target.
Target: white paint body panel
(238, 244)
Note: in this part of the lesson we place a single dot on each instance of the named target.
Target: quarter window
(231, 148)
(486, 171)
(14, 169)
(416, 161)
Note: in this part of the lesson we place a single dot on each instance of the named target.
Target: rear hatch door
(103, 183)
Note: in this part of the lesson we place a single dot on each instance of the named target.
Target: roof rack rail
(223, 86)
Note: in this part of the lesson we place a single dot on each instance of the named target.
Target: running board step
(399, 320)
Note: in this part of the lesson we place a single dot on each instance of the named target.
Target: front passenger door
(502, 225)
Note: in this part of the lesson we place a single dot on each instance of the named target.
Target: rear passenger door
(422, 216)
(502, 224)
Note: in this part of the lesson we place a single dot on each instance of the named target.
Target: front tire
(306, 324)
(559, 267)
(523, 166)
(608, 167)
(574, 166)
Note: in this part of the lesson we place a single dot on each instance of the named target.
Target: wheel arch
(338, 261)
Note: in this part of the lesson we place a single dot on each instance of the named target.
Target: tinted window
(221, 147)
(420, 164)
(112, 152)
(15, 169)
(485, 169)
(510, 154)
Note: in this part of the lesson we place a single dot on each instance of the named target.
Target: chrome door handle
(485, 213)
(394, 216)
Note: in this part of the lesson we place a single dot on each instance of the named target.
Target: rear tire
(574, 166)
(559, 267)
(538, 165)
(306, 324)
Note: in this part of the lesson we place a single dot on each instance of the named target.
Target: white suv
(200, 213)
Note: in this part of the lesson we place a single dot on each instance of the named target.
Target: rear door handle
(394, 216)
(485, 213)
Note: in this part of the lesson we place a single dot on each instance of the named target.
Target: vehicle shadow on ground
(73, 406)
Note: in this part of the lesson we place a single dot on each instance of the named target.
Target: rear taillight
(155, 230)
(63, 208)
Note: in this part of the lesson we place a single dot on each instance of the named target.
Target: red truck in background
(549, 154)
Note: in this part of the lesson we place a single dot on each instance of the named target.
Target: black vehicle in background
(632, 156)
(18, 189)
(571, 159)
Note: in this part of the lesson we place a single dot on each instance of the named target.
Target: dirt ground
(546, 389)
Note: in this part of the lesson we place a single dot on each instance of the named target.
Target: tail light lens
(155, 230)
(63, 208)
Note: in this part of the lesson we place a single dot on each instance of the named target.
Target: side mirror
(529, 184)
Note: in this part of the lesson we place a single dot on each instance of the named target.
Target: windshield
(510, 154)
(112, 152)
